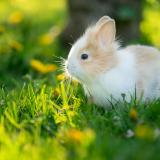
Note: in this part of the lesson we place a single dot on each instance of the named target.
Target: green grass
(38, 121)
(44, 118)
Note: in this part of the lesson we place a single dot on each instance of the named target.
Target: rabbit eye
(84, 56)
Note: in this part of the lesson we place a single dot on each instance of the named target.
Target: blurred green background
(29, 32)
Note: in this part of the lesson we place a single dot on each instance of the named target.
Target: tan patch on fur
(147, 60)
(101, 60)
(144, 54)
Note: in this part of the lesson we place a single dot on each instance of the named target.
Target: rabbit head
(95, 52)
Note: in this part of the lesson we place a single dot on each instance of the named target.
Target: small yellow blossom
(15, 17)
(48, 38)
(144, 132)
(2, 29)
(16, 45)
(64, 76)
(61, 77)
(75, 135)
(84, 137)
(133, 114)
(42, 68)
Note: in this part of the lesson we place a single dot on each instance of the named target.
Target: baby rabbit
(109, 72)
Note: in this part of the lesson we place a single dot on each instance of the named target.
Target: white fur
(112, 84)
(74, 68)
(120, 80)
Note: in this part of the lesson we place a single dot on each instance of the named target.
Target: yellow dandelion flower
(42, 68)
(2, 29)
(16, 45)
(144, 132)
(46, 39)
(64, 76)
(61, 77)
(84, 137)
(133, 114)
(15, 17)
(75, 135)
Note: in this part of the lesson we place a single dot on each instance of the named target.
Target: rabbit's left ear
(106, 31)
(103, 20)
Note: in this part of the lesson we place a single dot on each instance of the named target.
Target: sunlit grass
(40, 121)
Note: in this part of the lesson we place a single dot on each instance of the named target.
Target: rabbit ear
(106, 31)
(102, 20)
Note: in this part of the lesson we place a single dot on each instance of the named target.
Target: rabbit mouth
(71, 70)
(73, 73)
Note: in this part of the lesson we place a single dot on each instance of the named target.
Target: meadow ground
(42, 115)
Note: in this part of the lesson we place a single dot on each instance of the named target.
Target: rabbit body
(131, 77)
(108, 72)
